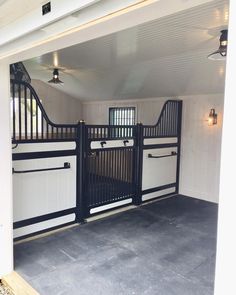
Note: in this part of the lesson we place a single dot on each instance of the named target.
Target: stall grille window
(122, 116)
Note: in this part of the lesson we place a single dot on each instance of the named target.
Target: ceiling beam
(35, 20)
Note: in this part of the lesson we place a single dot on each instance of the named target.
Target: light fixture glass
(55, 79)
(212, 119)
(221, 53)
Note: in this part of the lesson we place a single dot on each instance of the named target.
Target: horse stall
(98, 203)
(66, 173)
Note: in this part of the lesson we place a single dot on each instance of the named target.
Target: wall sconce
(212, 119)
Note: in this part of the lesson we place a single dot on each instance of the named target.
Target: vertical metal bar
(47, 130)
(31, 115)
(172, 118)
(52, 132)
(13, 111)
(180, 105)
(37, 122)
(137, 198)
(25, 102)
(19, 106)
(42, 126)
(176, 118)
(167, 120)
(81, 168)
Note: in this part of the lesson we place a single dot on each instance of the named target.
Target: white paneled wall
(201, 147)
(147, 110)
(59, 106)
(40, 193)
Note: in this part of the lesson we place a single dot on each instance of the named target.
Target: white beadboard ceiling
(164, 57)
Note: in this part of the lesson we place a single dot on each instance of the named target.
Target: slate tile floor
(166, 248)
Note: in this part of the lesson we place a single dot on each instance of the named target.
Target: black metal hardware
(162, 156)
(66, 166)
(15, 146)
(102, 143)
(125, 142)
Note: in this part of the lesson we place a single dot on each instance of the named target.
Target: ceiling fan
(55, 77)
(221, 52)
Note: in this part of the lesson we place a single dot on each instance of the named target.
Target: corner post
(138, 164)
(180, 105)
(80, 176)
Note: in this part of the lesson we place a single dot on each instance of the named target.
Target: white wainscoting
(158, 172)
(40, 193)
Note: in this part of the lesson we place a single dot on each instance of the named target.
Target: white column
(226, 241)
(6, 244)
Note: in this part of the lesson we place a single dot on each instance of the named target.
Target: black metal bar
(179, 127)
(66, 166)
(160, 146)
(14, 111)
(37, 122)
(31, 116)
(42, 218)
(26, 121)
(41, 155)
(137, 199)
(80, 146)
(19, 106)
(162, 156)
(42, 127)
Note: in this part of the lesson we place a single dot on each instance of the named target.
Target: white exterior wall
(60, 107)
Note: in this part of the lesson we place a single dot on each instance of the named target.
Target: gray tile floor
(164, 248)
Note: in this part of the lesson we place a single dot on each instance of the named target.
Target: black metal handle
(163, 156)
(125, 142)
(66, 166)
(102, 143)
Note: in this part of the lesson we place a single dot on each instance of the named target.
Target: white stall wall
(40, 193)
(200, 155)
(60, 107)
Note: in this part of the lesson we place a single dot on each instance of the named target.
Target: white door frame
(226, 254)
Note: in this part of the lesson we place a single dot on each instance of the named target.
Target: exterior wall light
(212, 119)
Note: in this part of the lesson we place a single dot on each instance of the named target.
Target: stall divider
(110, 159)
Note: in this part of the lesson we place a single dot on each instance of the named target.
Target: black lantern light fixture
(221, 53)
(212, 118)
(55, 79)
